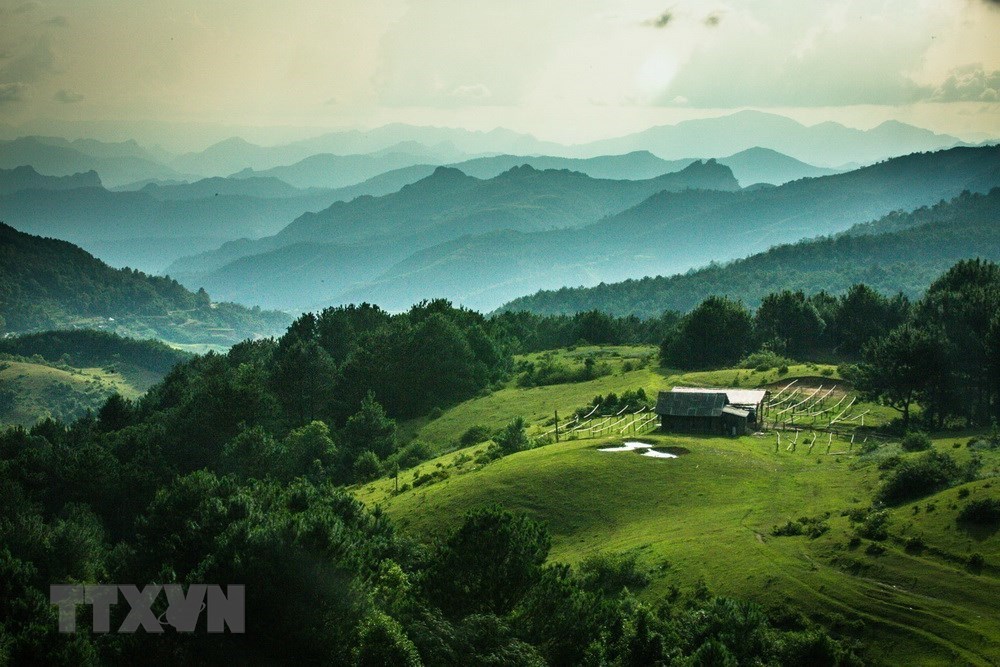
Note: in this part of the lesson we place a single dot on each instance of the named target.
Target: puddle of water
(627, 447)
(659, 455)
(637, 446)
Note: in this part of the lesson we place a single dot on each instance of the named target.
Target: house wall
(711, 425)
(723, 425)
(734, 425)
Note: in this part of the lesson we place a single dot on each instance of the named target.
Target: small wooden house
(713, 411)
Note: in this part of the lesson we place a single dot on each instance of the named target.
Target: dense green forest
(229, 469)
(900, 252)
(50, 284)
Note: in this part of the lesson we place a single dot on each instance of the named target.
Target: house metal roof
(736, 412)
(750, 397)
(690, 404)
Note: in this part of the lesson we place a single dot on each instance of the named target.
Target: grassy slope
(44, 390)
(708, 514)
(538, 404)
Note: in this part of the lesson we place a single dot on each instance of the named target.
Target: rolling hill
(32, 390)
(62, 374)
(901, 252)
(50, 284)
(754, 165)
(710, 515)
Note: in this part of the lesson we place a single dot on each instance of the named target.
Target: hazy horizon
(186, 75)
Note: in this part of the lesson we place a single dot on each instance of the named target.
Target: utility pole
(557, 426)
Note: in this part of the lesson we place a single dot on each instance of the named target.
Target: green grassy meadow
(629, 367)
(708, 515)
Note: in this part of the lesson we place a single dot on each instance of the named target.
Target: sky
(195, 71)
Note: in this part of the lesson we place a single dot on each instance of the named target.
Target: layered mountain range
(400, 213)
(482, 243)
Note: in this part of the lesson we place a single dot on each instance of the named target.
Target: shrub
(513, 437)
(874, 526)
(982, 444)
(868, 447)
(430, 478)
(764, 360)
(850, 372)
(857, 514)
(915, 545)
(491, 453)
(812, 527)
(970, 471)
(976, 561)
(609, 573)
(874, 549)
(412, 454)
(474, 435)
(916, 441)
(919, 477)
(985, 511)
(790, 529)
(549, 371)
(815, 529)
(890, 462)
(367, 466)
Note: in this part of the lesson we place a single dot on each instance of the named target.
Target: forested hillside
(49, 284)
(901, 252)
